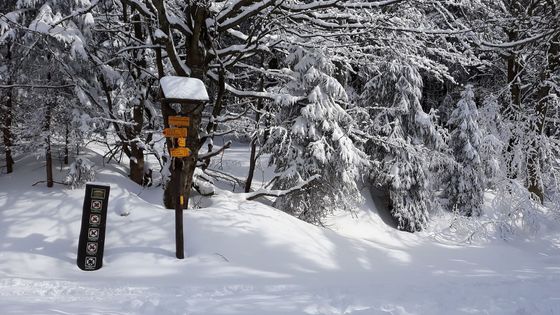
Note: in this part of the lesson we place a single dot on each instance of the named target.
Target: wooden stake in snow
(181, 130)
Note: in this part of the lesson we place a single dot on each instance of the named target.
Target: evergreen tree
(403, 139)
(311, 138)
(466, 184)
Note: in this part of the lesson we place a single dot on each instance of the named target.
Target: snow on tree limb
(282, 192)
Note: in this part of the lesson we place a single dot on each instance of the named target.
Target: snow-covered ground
(247, 258)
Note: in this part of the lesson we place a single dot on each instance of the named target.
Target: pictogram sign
(92, 233)
(91, 248)
(90, 263)
(96, 205)
(94, 219)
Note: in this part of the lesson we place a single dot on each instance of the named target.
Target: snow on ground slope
(248, 258)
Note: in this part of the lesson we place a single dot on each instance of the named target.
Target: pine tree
(466, 184)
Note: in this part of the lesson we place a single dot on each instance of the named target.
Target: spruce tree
(466, 184)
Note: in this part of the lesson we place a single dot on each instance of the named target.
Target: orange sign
(180, 152)
(182, 142)
(179, 121)
(175, 132)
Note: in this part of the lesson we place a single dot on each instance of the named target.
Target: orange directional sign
(180, 152)
(179, 121)
(175, 132)
(182, 142)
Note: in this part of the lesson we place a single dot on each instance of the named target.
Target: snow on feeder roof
(183, 88)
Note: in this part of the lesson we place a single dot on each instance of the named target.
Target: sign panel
(180, 152)
(179, 121)
(92, 234)
(182, 142)
(175, 132)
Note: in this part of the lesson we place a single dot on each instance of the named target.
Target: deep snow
(248, 258)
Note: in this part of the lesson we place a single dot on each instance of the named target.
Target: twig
(44, 181)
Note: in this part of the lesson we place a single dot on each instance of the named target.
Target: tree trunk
(136, 151)
(544, 96)
(7, 121)
(252, 162)
(513, 72)
(197, 60)
(133, 133)
(7, 131)
(66, 144)
(48, 154)
(188, 165)
(253, 157)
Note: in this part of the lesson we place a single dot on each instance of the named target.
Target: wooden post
(179, 239)
(183, 143)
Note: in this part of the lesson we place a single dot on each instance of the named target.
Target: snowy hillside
(247, 258)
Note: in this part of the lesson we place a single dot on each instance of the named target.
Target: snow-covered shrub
(516, 212)
(466, 185)
(81, 171)
(512, 214)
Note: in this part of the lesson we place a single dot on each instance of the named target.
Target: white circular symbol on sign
(93, 234)
(94, 219)
(91, 248)
(96, 204)
(91, 262)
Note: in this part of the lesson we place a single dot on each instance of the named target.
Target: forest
(429, 103)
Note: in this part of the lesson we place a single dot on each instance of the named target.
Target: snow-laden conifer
(402, 141)
(466, 185)
(311, 138)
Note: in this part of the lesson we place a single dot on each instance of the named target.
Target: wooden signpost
(191, 96)
(179, 121)
(92, 233)
(182, 142)
(178, 152)
(175, 132)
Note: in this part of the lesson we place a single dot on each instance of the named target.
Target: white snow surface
(247, 258)
(184, 88)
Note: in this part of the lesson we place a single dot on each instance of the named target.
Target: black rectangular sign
(92, 234)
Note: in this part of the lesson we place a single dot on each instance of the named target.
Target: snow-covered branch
(280, 193)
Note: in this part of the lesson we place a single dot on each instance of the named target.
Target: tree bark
(513, 73)
(253, 156)
(136, 151)
(133, 133)
(66, 143)
(197, 46)
(48, 155)
(7, 132)
(534, 170)
(188, 165)
(7, 122)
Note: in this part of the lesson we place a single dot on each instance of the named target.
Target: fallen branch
(36, 86)
(44, 181)
(280, 193)
(208, 155)
(224, 176)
